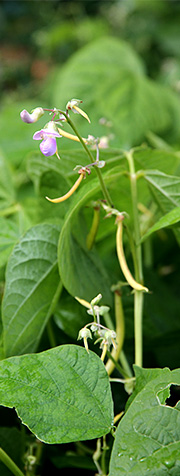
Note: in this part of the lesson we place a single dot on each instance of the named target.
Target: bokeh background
(122, 59)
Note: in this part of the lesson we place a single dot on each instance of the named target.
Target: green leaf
(165, 190)
(163, 160)
(36, 167)
(70, 316)
(62, 394)
(167, 220)
(7, 193)
(31, 284)
(148, 436)
(9, 234)
(82, 272)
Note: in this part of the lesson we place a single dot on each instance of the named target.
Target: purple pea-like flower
(48, 145)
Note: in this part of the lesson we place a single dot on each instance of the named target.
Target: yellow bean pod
(70, 136)
(71, 191)
(122, 260)
(80, 111)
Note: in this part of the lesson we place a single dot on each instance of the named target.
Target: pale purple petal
(38, 135)
(46, 133)
(48, 146)
(26, 117)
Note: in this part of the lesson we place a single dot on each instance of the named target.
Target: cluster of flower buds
(105, 336)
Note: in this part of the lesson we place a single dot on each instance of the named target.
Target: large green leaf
(31, 283)
(148, 436)
(81, 270)
(62, 394)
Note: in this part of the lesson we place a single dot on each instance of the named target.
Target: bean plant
(77, 282)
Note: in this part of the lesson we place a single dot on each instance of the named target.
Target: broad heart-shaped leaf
(148, 437)
(62, 394)
(31, 284)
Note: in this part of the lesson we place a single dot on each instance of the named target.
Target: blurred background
(121, 57)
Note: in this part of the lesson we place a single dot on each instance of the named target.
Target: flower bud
(33, 116)
(84, 333)
(96, 300)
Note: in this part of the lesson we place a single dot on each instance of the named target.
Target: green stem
(10, 210)
(10, 463)
(98, 171)
(125, 370)
(119, 316)
(138, 295)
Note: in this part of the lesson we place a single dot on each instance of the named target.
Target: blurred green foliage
(122, 58)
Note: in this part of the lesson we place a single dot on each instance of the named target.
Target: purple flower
(48, 136)
(33, 117)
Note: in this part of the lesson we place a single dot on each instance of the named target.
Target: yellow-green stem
(138, 295)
